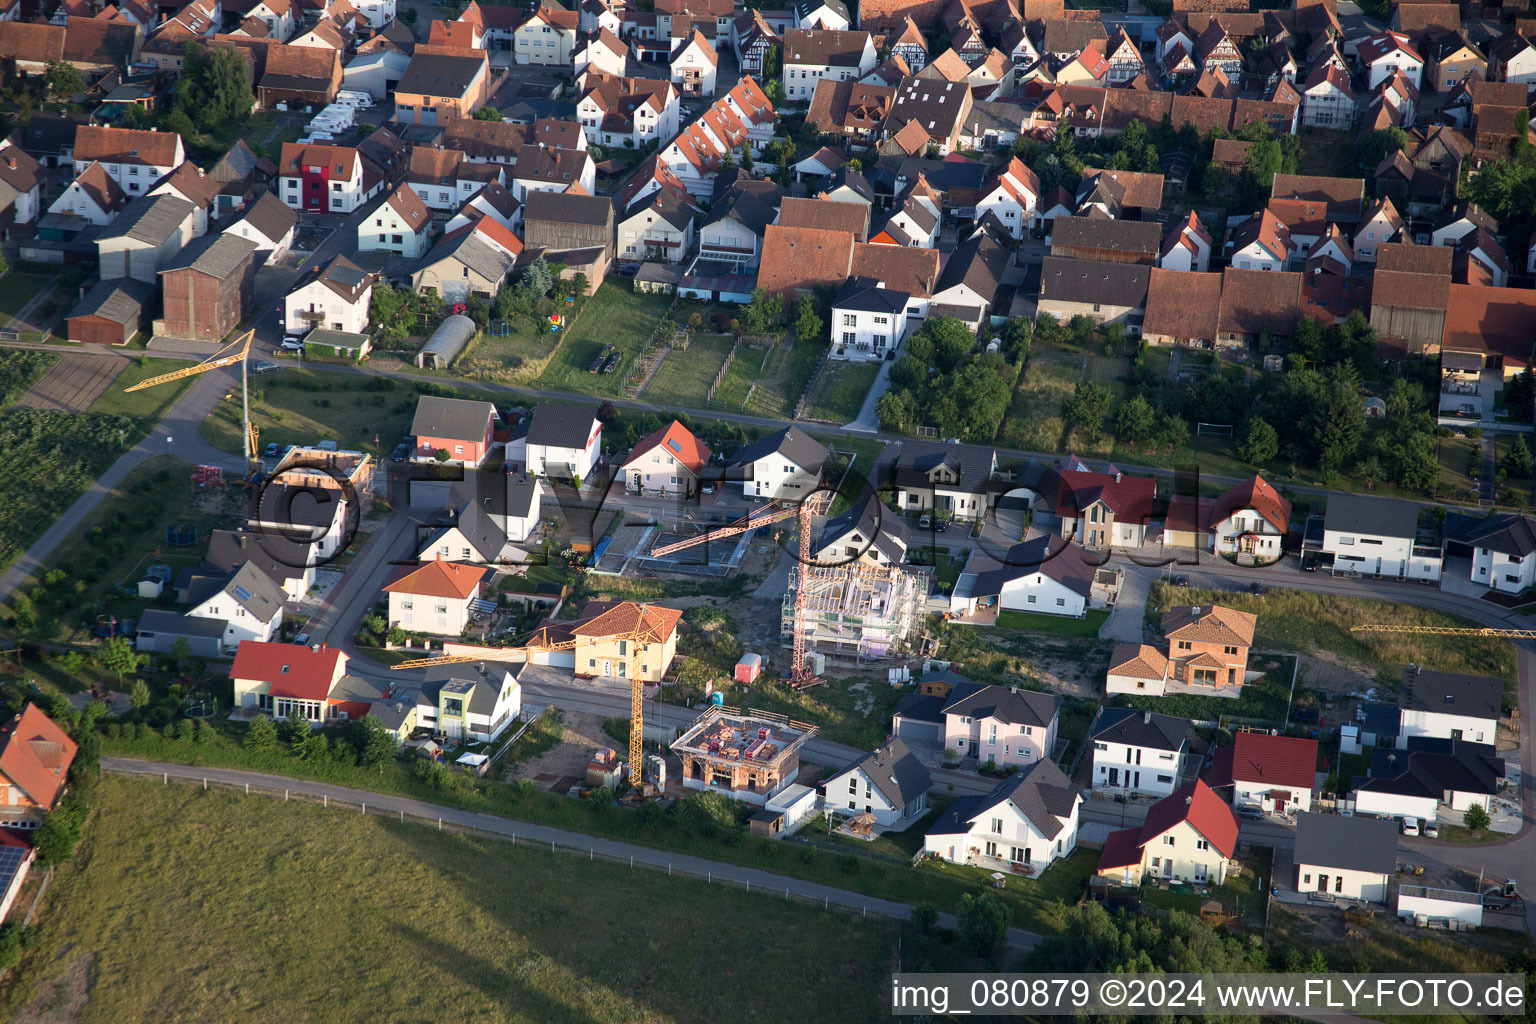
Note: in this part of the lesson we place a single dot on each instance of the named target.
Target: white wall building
(1375, 537)
(1027, 821)
(1138, 752)
(888, 782)
(1351, 858)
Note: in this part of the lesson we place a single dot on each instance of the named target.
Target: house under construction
(746, 755)
(864, 615)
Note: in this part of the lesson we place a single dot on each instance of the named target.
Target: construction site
(864, 614)
(747, 755)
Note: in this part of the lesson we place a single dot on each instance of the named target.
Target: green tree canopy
(213, 87)
(488, 113)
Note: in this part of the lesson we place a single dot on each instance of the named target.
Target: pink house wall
(1013, 746)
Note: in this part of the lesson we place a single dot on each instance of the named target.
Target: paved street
(519, 831)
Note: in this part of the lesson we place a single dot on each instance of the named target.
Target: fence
(810, 388)
(848, 901)
(725, 368)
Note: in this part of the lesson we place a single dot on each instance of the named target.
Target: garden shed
(446, 343)
(323, 343)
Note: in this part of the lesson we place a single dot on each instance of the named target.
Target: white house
(603, 52)
(277, 15)
(1429, 774)
(657, 227)
(1351, 858)
(785, 464)
(888, 782)
(133, 158)
(1138, 752)
(666, 461)
(1448, 705)
(868, 321)
(1189, 835)
(914, 223)
(1261, 242)
(1002, 725)
(1277, 774)
(951, 480)
(1027, 821)
(1327, 101)
(400, 224)
(1512, 59)
(337, 298)
(269, 224)
(435, 597)
(1044, 574)
(693, 64)
(1380, 224)
(1376, 537)
(1388, 52)
(465, 704)
(810, 56)
(1186, 246)
(93, 196)
(1251, 520)
(564, 441)
(867, 533)
(1503, 552)
(548, 36)
(823, 14)
(627, 112)
(1012, 195)
(248, 602)
(495, 201)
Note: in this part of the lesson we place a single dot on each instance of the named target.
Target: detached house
(949, 480)
(888, 782)
(599, 653)
(1002, 725)
(460, 702)
(1503, 551)
(1138, 752)
(1327, 101)
(1351, 858)
(336, 299)
(458, 426)
(1448, 705)
(1511, 58)
(136, 160)
(1108, 509)
(1025, 823)
(693, 64)
(548, 36)
(1377, 537)
(35, 755)
(1033, 576)
(1261, 242)
(811, 55)
(1276, 774)
(246, 603)
(564, 441)
(627, 112)
(436, 597)
(473, 260)
(1186, 246)
(1386, 53)
(1189, 836)
(320, 179)
(667, 461)
(287, 679)
(868, 321)
(1012, 196)
(269, 225)
(400, 224)
(1250, 522)
(658, 226)
(1208, 645)
(784, 465)
(94, 196)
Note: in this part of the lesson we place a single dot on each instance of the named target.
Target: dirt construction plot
(73, 384)
(566, 763)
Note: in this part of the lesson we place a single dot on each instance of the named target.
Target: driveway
(1124, 624)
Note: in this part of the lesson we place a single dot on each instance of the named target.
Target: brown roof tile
(1183, 304)
(1344, 196)
(124, 145)
(1252, 300)
(813, 213)
(797, 259)
(902, 268)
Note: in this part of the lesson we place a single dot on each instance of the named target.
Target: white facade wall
(439, 616)
(339, 314)
(1375, 555)
(1441, 725)
(1001, 833)
(859, 336)
(1037, 592)
(1503, 572)
(1345, 882)
(1124, 768)
(1257, 794)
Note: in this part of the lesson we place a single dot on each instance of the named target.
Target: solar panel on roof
(10, 863)
(672, 443)
(242, 593)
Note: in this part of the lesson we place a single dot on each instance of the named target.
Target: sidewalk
(519, 831)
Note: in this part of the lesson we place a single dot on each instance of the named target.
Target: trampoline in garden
(200, 705)
(181, 535)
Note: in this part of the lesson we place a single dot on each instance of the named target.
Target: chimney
(315, 648)
(1118, 475)
(1146, 718)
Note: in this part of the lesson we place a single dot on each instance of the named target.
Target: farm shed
(323, 343)
(111, 313)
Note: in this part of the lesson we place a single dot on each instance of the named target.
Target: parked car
(1181, 580)
(940, 525)
(924, 522)
(1409, 826)
(271, 450)
(265, 367)
(1253, 812)
(400, 452)
(1431, 830)
(292, 345)
(706, 488)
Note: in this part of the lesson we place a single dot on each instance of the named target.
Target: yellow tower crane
(632, 643)
(241, 347)
(1483, 631)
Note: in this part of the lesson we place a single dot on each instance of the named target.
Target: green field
(615, 315)
(683, 378)
(1061, 625)
(17, 289)
(1033, 422)
(214, 906)
(151, 404)
(768, 381)
(841, 391)
(302, 406)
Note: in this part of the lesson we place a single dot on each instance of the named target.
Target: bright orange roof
(439, 579)
(35, 755)
(678, 442)
(628, 617)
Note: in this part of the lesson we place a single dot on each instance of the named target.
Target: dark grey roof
(239, 163)
(390, 712)
(451, 417)
(1450, 693)
(864, 295)
(149, 219)
(483, 688)
(792, 443)
(1130, 236)
(805, 8)
(439, 74)
(1016, 707)
(1062, 36)
(978, 263)
(466, 246)
(1041, 792)
(909, 462)
(824, 47)
(256, 592)
(218, 256)
(878, 525)
(1355, 844)
(357, 689)
(162, 620)
(846, 176)
(277, 555)
(1431, 766)
(271, 216)
(1380, 718)
(566, 208)
(751, 210)
(478, 529)
(930, 708)
(1142, 729)
(303, 508)
(1113, 284)
(1380, 517)
(895, 771)
(935, 104)
(1507, 533)
(664, 204)
(1066, 562)
(120, 299)
(561, 426)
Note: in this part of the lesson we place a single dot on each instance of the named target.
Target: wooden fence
(725, 368)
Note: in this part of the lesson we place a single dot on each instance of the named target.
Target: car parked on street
(265, 367)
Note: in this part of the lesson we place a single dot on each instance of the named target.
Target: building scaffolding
(868, 613)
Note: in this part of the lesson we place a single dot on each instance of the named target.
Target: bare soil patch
(62, 1000)
(583, 734)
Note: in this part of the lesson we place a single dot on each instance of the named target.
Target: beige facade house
(436, 597)
(1188, 836)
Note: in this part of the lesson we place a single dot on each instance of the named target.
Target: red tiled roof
(293, 670)
(119, 145)
(1288, 762)
(1259, 495)
(629, 617)
(1130, 497)
(679, 442)
(35, 755)
(438, 578)
(1202, 808)
(1493, 321)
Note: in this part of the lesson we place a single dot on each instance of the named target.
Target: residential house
(321, 179)
(888, 782)
(950, 480)
(442, 83)
(94, 196)
(657, 227)
(494, 200)
(564, 441)
(207, 286)
(1262, 242)
(1032, 576)
(246, 602)
(1380, 224)
(1025, 823)
(742, 119)
(1386, 53)
(292, 680)
(141, 239)
(548, 36)
(1186, 246)
(1276, 774)
(1427, 774)
(458, 426)
(1208, 645)
(1511, 58)
(1139, 753)
(783, 465)
(666, 461)
(732, 231)
(914, 223)
(1215, 49)
(337, 299)
(603, 635)
(1189, 835)
(1327, 101)
(1250, 521)
(1452, 59)
(812, 55)
(135, 159)
(1481, 260)
(693, 65)
(1002, 725)
(866, 535)
(1012, 195)
(473, 535)
(1348, 858)
(35, 755)
(602, 52)
(1123, 57)
(1102, 291)
(1448, 705)
(541, 168)
(1460, 221)
(854, 109)
(1105, 509)
(466, 704)
(269, 225)
(868, 321)
(473, 260)
(627, 112)
(435, 597)
(1503, 551)
(1377, 537)
(753, 38)
(187, 182)
(970, 281)
(400, 224)
(289, 559)
(432, 175)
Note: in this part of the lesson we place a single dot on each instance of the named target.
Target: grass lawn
(1329, 153)
(1061, 625)
(768, 381)
(1265, 700)
(1294, 620)
(1458, 455)
(18, 288)
(227, 907)
(1034, 420)
(119, 540)
(616, 315)
(1387, 947)
(683, 378)
(149, 405)
(522, 352)
(841, 391)
(302, 406)
(552, 573)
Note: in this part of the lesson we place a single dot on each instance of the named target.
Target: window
(853, 784)
(849, 337)
(849, 320)
(997, 825)
(1201, 844)
(1167, 840)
